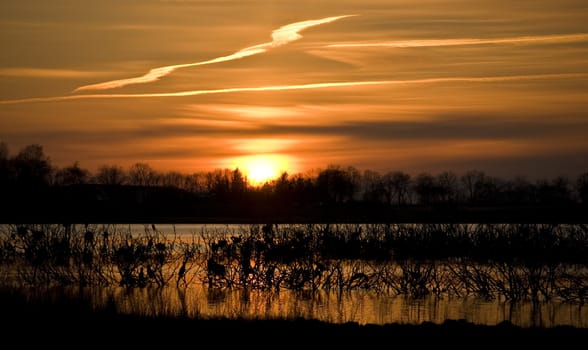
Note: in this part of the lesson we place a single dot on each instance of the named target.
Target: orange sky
(423, 85)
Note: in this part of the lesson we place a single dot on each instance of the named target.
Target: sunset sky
(413, 85)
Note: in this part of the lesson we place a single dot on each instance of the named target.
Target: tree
(401, 182)
(282, 186)
(519, 190)
(5, 169)
(582, 187)
(554, 191)
(195, 182)
(32, 167)
(473, 181)
(172, 179)
(110, 175)
(426, 188)
(141, 174)
(238, 182)
(217, 182)
(448, 187)
(372, 186)
(335, 184)
(388, 187)
(71, 175)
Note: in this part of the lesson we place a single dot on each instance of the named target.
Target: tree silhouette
(582, 187)
(141, 174)
(473, 181)
(448, 187)
(426, 188)
(336, 185)
(342, 191)
(401, 182)
(238, 182)
(72, 175)
(32, 167)
(373, 189)
(5, 170)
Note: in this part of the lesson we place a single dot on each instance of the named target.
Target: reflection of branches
(473, 278)
(416, 277)
(302, 258)
(572, 286)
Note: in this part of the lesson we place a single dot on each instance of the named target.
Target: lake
(373, 300)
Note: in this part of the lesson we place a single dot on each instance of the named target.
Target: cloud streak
(281, 36)
(26, 72)
(563, 38)
(301, 87)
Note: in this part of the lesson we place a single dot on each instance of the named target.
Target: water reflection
(355, 306)
(333, 273)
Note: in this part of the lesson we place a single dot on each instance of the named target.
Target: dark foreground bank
(73, 324)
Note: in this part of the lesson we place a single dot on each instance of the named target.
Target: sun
(260, 169)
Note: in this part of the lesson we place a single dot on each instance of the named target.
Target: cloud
(280, 37)
(196, 92)
(302, 87)
(563, 38)
(459, 126)
(26, 72)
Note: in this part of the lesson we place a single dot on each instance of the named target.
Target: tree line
(29, 180)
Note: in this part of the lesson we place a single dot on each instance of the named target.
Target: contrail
(469, 41)
(280, 36)
(300, 87)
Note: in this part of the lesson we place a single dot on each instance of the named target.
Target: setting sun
(262, 168)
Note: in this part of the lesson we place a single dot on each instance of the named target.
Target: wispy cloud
(280, 36)
(27, 72)
(302, 87)
(563, 38)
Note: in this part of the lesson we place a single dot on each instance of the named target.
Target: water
(361, 307)
(357, 305)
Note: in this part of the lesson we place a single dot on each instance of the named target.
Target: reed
(509, 261)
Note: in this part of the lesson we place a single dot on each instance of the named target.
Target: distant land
(33, 190)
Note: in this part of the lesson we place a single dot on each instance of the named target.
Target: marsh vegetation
(504, 262)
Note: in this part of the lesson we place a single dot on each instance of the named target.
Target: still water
(363, 307)
(358, 305)
(355, 306)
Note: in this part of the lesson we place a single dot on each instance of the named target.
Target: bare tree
(72, 175)
(218, 182)
(473, 181)
(372, 186)
(448, 187)
(195, 182)
(141, 174)
(172, 179)
(402, 183)
(110, 175)
(426, 188)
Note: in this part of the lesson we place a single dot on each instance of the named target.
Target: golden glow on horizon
(262, 168)
(415, 85)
